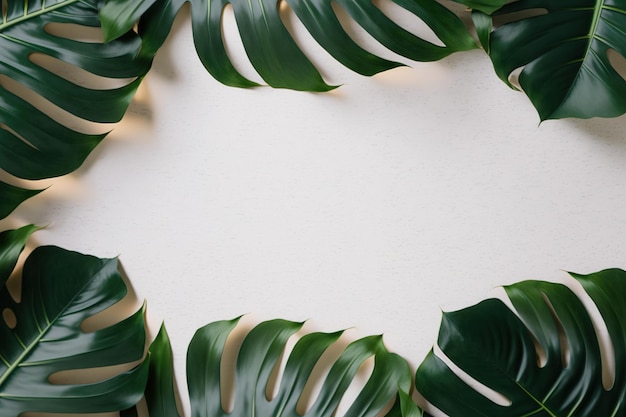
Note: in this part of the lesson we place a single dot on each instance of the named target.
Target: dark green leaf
(484, 26)
(12, 196)
(484, 6)
(12, 244)
(160, 390)
(274, 53)
(405, 407)
(160, 394)
(497, 347)
(60, 289)
(119, 16)
(563, 49)
(258, 357)
(45, 46)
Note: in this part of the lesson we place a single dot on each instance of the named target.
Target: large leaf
(55, 77)
(271, 48)
(257, 359)
(545, 359)
(564, 54)
(60, 289)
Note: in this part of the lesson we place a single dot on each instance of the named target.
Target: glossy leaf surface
(119, 16)
(274, 53)
(258, 356)
(12, 243)
(56, 78)
(545, 360)
(256, 360)
(60, 289)
(564, 51)
(12, 196)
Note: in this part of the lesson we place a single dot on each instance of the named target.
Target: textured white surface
(373, 206)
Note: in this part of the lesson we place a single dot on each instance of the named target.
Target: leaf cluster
(69, 71)
(543, 357)
(72, 66)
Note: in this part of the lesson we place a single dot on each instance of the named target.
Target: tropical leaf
(256, 361)
(160, 390)
(544, 358)
(120, 16)
(12, 196)
(12, 243)
(271, 48)
(56, 78)
(61, 289)
(563, 50)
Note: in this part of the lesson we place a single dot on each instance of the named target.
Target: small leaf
(160, 394)
(12, 196)
(484, 27)
(12, 243)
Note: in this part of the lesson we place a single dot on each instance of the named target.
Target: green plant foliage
(42, 50)
(272, 50)
(119, 16)
(564, 55)
(12, 196)
(12, 243)
(60, 289)
(544, 358)
(160, 390)
(257, 359)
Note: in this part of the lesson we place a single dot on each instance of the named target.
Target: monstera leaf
(271, 48)
(56, 79)
(544, 358)
(257, 358)
(564, 52)
(41, 334)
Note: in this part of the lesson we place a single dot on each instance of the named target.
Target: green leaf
(60, 289)
(53, 81)
(276, 56)
(564, 55)
(483, 6)
(119, 16)
(256, 360)
(258, 356)
(12, 243)
(484, 26)
(160, 391)
(497, 348)
(12, 196)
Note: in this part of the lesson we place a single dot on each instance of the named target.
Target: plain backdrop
(372, 207)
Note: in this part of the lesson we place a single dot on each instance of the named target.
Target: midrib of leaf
(35, 342)
(27, 350)
(595, 20)
(5, 25)
(597, 10)
(540, 403)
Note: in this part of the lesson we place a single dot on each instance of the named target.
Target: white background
(371, 207)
